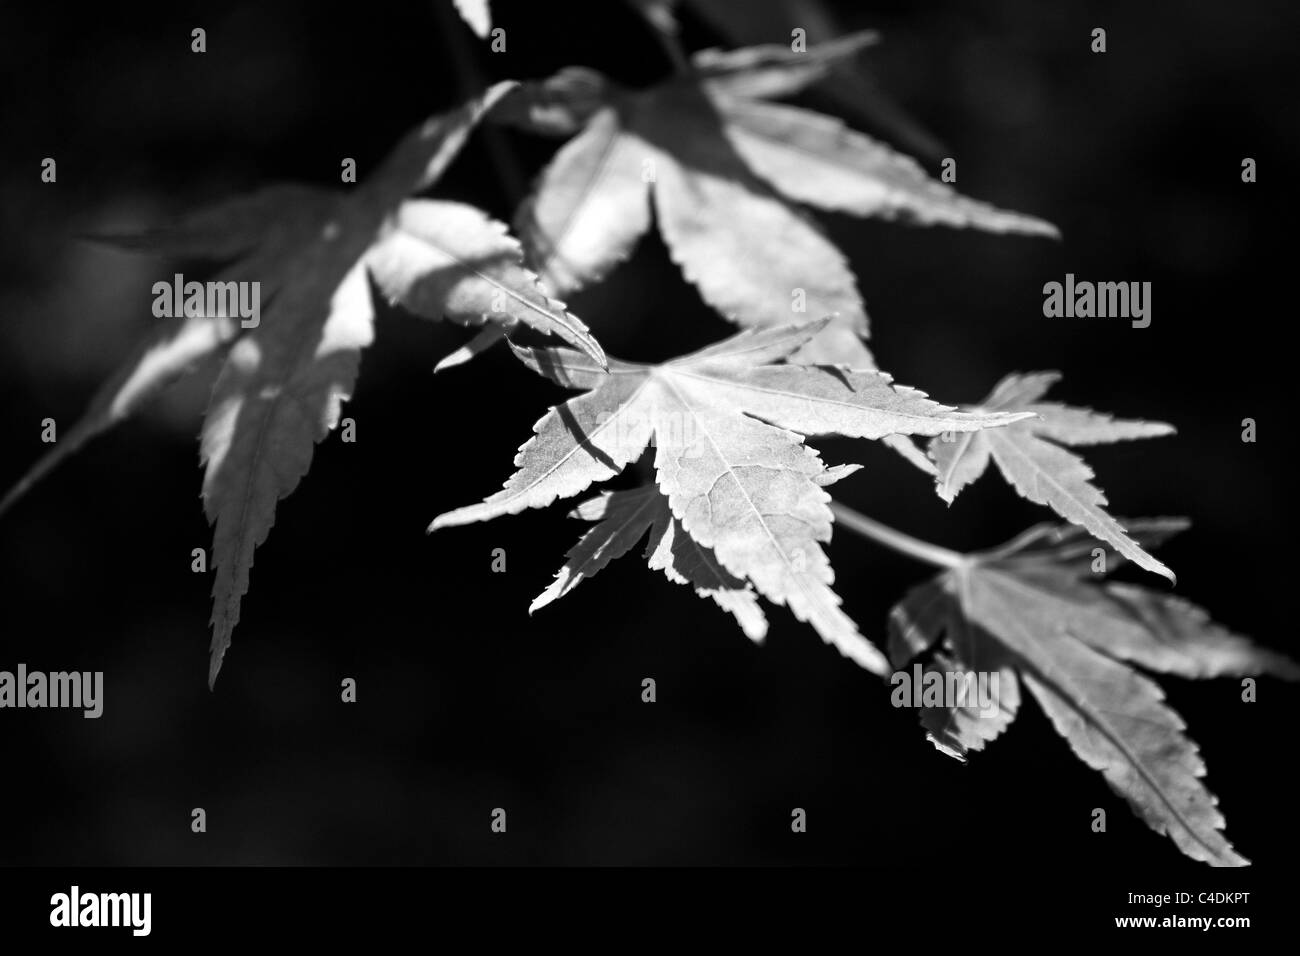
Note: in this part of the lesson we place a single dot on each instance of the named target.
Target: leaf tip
(596, 351)
(942, 747)
(215, 658)
(458, 357)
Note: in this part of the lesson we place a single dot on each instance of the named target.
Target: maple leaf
(771, 71)
(1031, 458)
(168, 353)
(624, 518)
(728, 426)
(282, 383)
(476, 14)
(722, 167)
(281, 389)
(850, 86)
(1035, 612)
(254, 236)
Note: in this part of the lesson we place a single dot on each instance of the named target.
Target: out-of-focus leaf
(722, 168)
(286, 375)
(772, 71)
(477, 14)
(852, 89)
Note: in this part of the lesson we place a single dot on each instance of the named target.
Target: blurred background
(465, 702)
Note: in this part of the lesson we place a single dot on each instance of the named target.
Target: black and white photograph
(571, 447)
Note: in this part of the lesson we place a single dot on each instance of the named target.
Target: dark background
(465, 702)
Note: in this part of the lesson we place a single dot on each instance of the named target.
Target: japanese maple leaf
(724, 169)
(850, 86)
(1037, 612)
(282, 383)
(728, 426)
(1031, 458)
(623, 519)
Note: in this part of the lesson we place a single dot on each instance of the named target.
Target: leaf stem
(897, 540)
(470, 80)
(667, 38)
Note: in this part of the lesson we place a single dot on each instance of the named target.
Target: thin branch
(667, 38)
(470, 79)
(897, 540)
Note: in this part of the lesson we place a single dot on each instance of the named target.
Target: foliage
(734, 501)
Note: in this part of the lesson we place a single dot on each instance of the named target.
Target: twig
(470, 80)
(667, 38)
(902, 543)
